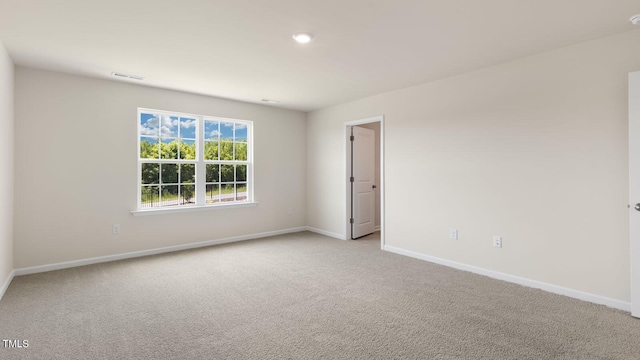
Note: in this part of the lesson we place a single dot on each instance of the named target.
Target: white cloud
(214, 133)
(153, 122)
(150, 127)
(167, 121)
(241, 126)
(166, 131)
(188, 123)
(167, 125)
(144, 130)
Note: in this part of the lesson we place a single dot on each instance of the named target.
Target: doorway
(634, 189)
(365, 192)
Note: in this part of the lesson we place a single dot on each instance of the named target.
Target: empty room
(351, 179)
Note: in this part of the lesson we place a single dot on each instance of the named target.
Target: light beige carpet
(300, 296)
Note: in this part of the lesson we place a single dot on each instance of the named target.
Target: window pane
(241, 194)
(228, 192)
(226, 131)
(188, 149)
(150, 173)
(149, 148)
(226, 150)
(149, 197)
(241, 172)
(226, 172)
(176, 138)
(211, 130)
(149, 125)
(240, 151)
(169, 195)
(187, 194)
(213, 173)
(211, 150)
(169, 148)
(187, 173)
(241, 132)
(169, 173)
(187, 128)
(168, 126)
(213, 194)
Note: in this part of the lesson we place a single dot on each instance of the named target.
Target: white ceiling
(243, 50)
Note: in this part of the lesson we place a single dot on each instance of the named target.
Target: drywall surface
(533, 150)
(76, 149)
(6, 165)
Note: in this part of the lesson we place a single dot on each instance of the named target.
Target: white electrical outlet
(116, 228)
(453, 234)
(497, 241)
(289, 211)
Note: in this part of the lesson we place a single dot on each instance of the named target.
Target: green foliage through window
(169, 159)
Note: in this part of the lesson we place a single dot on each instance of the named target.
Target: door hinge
(351, 221)
(352, 138)
(352, 179)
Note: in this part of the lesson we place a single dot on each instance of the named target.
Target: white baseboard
(325, 233)
(6, 284)
(377, 228)
(577, 294)
(135, 254)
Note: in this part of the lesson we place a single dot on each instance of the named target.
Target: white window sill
(176, 210)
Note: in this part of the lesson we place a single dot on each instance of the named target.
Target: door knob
(373, 187)
(637, 207)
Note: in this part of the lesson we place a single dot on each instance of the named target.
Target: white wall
(75, 169)
(534, 150)
(6, 166)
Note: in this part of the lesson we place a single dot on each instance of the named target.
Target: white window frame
(200, 165)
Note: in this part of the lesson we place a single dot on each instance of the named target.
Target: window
(192, 160)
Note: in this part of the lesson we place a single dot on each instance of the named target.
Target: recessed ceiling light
(635, 19)
(128, 76)
(269, 101)
(302, 38)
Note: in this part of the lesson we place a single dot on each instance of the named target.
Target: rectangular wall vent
(134, 77)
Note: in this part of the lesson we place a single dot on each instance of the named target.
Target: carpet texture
(300, 296)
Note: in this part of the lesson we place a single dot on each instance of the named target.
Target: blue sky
(167, 126)
(213, 129)
(173, 126)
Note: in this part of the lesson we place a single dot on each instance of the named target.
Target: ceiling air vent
(134, 77)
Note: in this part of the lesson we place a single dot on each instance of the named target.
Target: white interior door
(363, 181)
(634, 188)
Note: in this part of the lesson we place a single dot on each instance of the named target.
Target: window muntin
(225, 156)
(174, 148)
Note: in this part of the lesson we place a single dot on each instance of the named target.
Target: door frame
(346, 174)
(634, 189)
